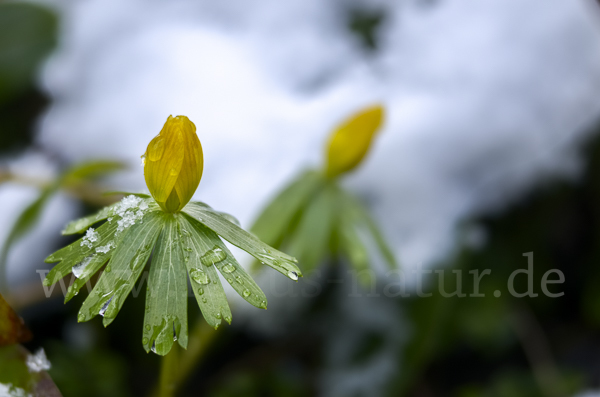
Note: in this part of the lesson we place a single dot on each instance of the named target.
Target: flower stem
(178, 364)
(168, 372)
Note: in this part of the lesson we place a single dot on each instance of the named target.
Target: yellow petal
(173, 164)
(193, 164)
(350, 142)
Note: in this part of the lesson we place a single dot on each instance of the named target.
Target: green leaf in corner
(12, 327)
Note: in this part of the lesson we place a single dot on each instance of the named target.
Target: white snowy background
(485, 100)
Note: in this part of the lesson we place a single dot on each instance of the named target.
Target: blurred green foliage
(28, 33)
(316, 220)
(88, 372)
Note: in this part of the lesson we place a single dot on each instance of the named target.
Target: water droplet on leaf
(215, 255)
(293, 275)
(199, 276)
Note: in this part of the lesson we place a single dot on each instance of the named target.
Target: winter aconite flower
(181, 237)
(314, 218)
(351, 141)
(173, 164)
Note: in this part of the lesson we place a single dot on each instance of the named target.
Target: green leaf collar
(179, 244)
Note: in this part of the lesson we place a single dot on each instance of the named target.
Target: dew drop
(204, 300)
(104, 307)
(218, 315)
(246, 293)
(111, 312)
(81, 317)
(46, 282)
(263, 304)
(228, 319)
(199, 276)
(108, 269)
(230, 280)
(147, 327)
(200, 291)
(228, 268)
(293, 275)
(145, 341)
(215, 255)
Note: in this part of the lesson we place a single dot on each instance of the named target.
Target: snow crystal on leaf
(90, 237)
(131, 209)
(80, 267)
(105, 249)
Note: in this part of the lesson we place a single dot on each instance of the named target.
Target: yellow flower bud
(350, 142)
(173, 164)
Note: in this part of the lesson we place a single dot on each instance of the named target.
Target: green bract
(182, 243)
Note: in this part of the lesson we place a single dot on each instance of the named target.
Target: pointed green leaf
(82, 224)
(310, 241)
(277, 217)
(166, 295)
(229, 267)
(85, 271)
(120, 275)
(237, 236)
(204, 279)
(362, 218)
(350, 243)
(77, 252)
(25, 222)
(92, 169)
